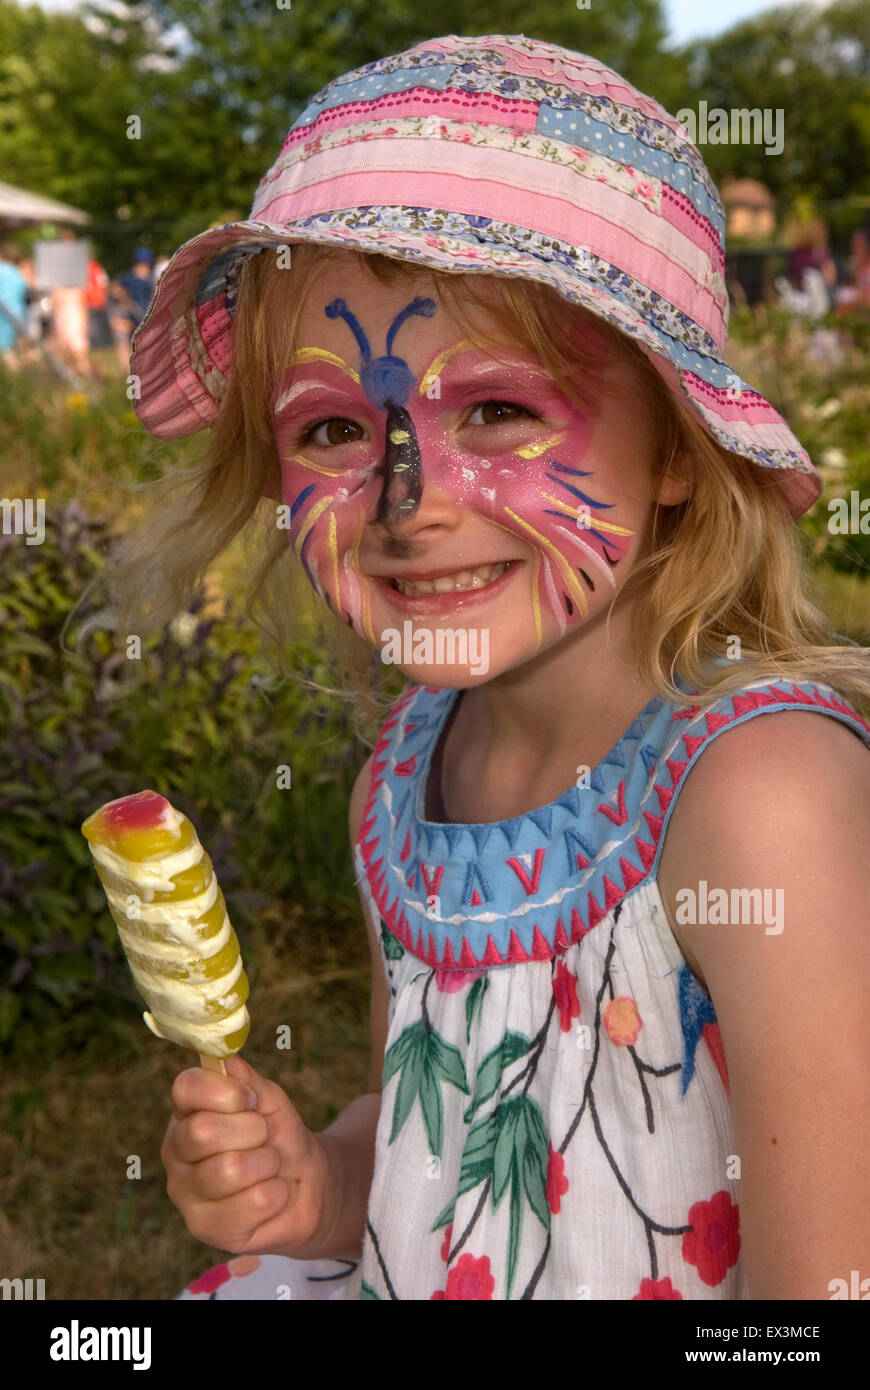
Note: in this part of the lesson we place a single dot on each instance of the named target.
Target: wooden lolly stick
(213, 1064)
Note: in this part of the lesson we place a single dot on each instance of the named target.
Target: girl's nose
(408, 512)
(402, 469)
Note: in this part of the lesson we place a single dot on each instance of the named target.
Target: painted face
(406, 451)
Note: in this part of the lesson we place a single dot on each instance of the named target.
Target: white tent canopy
(18, 207)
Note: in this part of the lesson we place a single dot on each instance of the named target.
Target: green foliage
(198, 728)
(825, 404)
(810, 61)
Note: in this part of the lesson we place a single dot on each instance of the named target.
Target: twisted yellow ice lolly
(172, 921)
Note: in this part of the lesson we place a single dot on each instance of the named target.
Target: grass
(68, 1212)
(846, 600)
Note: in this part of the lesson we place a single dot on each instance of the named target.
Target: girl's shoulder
(786, 780)
(774, 827)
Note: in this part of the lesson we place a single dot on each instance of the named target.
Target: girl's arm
(783, 801)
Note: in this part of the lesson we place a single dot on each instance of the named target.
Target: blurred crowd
(72, 322)
(817, 282)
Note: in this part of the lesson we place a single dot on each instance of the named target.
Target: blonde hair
(726, 563)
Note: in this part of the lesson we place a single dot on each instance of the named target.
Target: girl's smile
(454, 590)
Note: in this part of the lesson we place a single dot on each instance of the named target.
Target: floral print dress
(555, 1120)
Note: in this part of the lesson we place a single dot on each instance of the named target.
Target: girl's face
(431, 486)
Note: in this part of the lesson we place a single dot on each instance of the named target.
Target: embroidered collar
(471, 896)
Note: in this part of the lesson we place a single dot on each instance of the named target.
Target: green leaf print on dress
(509, 1148)
(393, 948)
(489, 1073)
(425, 1060)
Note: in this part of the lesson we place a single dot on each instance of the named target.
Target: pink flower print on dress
(660, 1290)
(713, 1243)
(452, 981)
(211, 1280)
(565, 992)
(557, 1183)
(445, 1244)
(470, 1281)
(221, 1274)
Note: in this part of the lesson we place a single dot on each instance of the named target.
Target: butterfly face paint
(532, 476)
(330, 560)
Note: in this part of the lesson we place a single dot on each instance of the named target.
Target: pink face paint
(538, 491)
(329, 500)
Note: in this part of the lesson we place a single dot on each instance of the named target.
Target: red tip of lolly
(141, 811)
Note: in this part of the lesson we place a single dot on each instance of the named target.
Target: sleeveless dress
(555, 1120)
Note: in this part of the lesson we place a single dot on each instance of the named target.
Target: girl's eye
(504, 417)
(338, 431)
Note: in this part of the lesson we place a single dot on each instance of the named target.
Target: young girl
(467, 359)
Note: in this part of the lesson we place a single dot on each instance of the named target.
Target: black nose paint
(387, 381)
(403, 471)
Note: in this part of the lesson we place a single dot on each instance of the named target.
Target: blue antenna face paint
(387, 381)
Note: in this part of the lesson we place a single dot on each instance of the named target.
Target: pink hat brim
(181, 351)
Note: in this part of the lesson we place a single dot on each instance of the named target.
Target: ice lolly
(172, 921)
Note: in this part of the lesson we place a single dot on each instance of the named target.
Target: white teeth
(452, 583)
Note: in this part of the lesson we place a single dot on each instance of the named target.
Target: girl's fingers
(230, 1222)
(206, 1133)
(198, 1089)
(270, 1096)
(231, 1174)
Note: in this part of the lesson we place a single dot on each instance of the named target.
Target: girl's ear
(675, 484)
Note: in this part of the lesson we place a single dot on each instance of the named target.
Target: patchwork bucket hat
(497, 155)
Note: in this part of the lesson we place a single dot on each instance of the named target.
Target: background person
(13, 296)
(96, 297)
(69, 321)
(129, 297)
(859, 265)
(810, 252)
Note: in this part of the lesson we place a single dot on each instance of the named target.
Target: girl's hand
(249, 1181)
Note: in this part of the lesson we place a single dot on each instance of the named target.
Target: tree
(813, 63)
